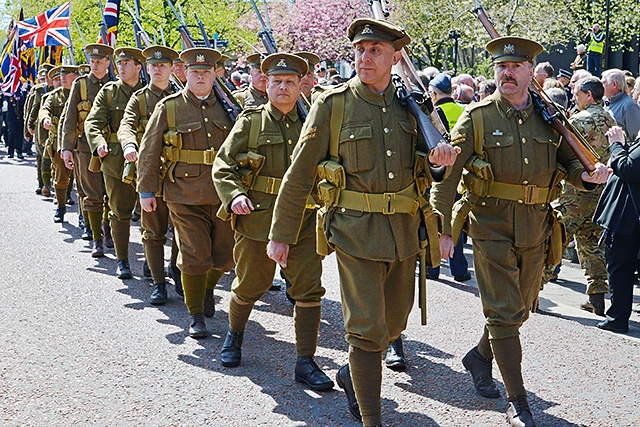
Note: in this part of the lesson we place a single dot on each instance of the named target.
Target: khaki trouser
(61, 175)
(154, 235)
(509, 282)
(204, 240)
(91, 183)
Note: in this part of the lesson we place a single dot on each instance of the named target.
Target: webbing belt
(527, 194)
(197, 157)
(271, 185)
(404, 201)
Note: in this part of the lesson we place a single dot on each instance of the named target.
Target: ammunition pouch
(478, 176)
(422, 176)
(52, 139)
(323, 247)
(129, 172)
(171, 152)
(249, 166)
(432, 220)
(460, 213)
(95, 164)
(555, 189)
(332, 172)
(83, 111)
(328, 193)
(557, 240)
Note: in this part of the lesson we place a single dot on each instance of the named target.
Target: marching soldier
(362, 143)
(101, 127)
(136, 116)
(307, 81)
(177, 150)
(49, 118)
(505, 138)
(77, 154)
(256, 93)
(266, 135)
(179, 70)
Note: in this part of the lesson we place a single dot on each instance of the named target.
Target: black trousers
(622, 263)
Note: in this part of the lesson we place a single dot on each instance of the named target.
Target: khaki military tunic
(376, 252)
(91, 184)
(32, 107)
(204, 240)
(508, 236)
(250, 97)
(52, 109)
(254, 270)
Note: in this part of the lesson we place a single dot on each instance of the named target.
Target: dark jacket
(616, 211)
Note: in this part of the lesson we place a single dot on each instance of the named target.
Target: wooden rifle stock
(551, 113)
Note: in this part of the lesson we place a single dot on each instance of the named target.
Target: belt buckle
(209, 155)
(389, 197)
(531, 194)
(271, 182)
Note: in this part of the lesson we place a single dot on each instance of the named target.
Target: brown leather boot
(595, 304)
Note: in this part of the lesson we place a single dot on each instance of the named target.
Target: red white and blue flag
(11, 80)
(111, 16)
(50, 28)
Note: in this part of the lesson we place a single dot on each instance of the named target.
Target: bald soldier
(76, 152)
(256, 93)
(504, 137)
(267, 133)
(49, 118)
(360, 139)
(101, 127)
(158, 60)
(177, 150)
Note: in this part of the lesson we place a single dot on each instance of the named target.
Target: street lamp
(454, 35)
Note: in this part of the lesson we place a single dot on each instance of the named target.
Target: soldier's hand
(599, 176)
(130, 154)
(46, 123)
(103, 150)
(279, 252)
(444, 154)
(241, 205)
(67, 157)
(148, 204)
(446, 246)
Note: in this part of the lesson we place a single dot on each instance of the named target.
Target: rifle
(86, 55)
(227, 101)
(138, 34)
(551, 113)
(266, 36)
(103, 36)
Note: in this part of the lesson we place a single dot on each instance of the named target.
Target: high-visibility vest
(594, 45)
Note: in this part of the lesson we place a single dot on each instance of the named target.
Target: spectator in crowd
(631, 82)
(558, 95)
(430, 72)
(236, 78)
(564, 77)
(618, 213)
(595, 40)
(636, 92)
(486, 88)
(543, 71)
(580, 63)
(464, 94)
(624, 110)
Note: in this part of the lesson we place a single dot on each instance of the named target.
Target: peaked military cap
(255, 59)
(54, 72)
(68, 69)
(311, 58)
(284, 63)
(178, 60)
(98, 51)
(46, 67)
(42, 73)
(157, 54)
(564, 73)
(124, 53)
(223, 60)
(202, 58)
(513, 49)
(370, 29)
(84, 69)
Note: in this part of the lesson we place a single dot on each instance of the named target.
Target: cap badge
(95, 50)
(509, 49)
(282, 63)
(199, 58)
(157, 54)
(367, 30)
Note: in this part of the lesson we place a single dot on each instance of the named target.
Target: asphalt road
(81, 348)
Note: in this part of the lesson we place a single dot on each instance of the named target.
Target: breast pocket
(188, 133)
(548, 147)
(355, 148)
(407, 149)
(271, 145)
(498, 148)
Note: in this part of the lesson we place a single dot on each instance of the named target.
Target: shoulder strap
(337, 111)
(478, 132)
(171, 114)
(256, 122)
(110, 96)
(83, 89)
(142, 100)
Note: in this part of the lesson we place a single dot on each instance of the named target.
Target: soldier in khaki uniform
(510, 220)
(177, 149)
(101, 127)
(49, 118)
(371, 173)
(76, 152)
(256, 93)
(136, 115)
(179, 71)
(577, 207)
(268, 133)
(308, 80)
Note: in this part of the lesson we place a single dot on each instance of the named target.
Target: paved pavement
(82, 348)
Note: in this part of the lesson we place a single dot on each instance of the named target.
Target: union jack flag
(111, 16)
(50, 28)
(11, 81)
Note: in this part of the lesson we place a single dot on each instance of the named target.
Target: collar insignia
(367, 30)
(282, 63)
(509, 49)
(199, 58)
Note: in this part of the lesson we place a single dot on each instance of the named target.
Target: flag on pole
(111, 16)
(11, 81)
(50, 28)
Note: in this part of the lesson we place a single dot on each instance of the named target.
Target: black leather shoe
(81, 223)
(466, 276)
(309, 373)
(58, 217)
(135, 217)
(146, 271)
(70, 201)
(395, 356)
(176, 276)
(519, 414)
(97, 250)
(231, 352)
(343, 378)
(480, 370)
(594, 304)
(607, 325)
(87, 234)
(159, 295)
(209, 303)
(124, 270)
(198, 329)
(275, 286)
(39, 190)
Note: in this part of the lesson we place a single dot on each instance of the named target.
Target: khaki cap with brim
(200, 58)
(42, 74)
(513, 49)
(98, 51)
(46, 67)
(54, 72)
(255, 59)
(178, 60)
(311, 58)
(284, 63)
(84, 69)
(157, 54)
(125, 53)
(364, 29)
(68, 69)
(223, 60)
